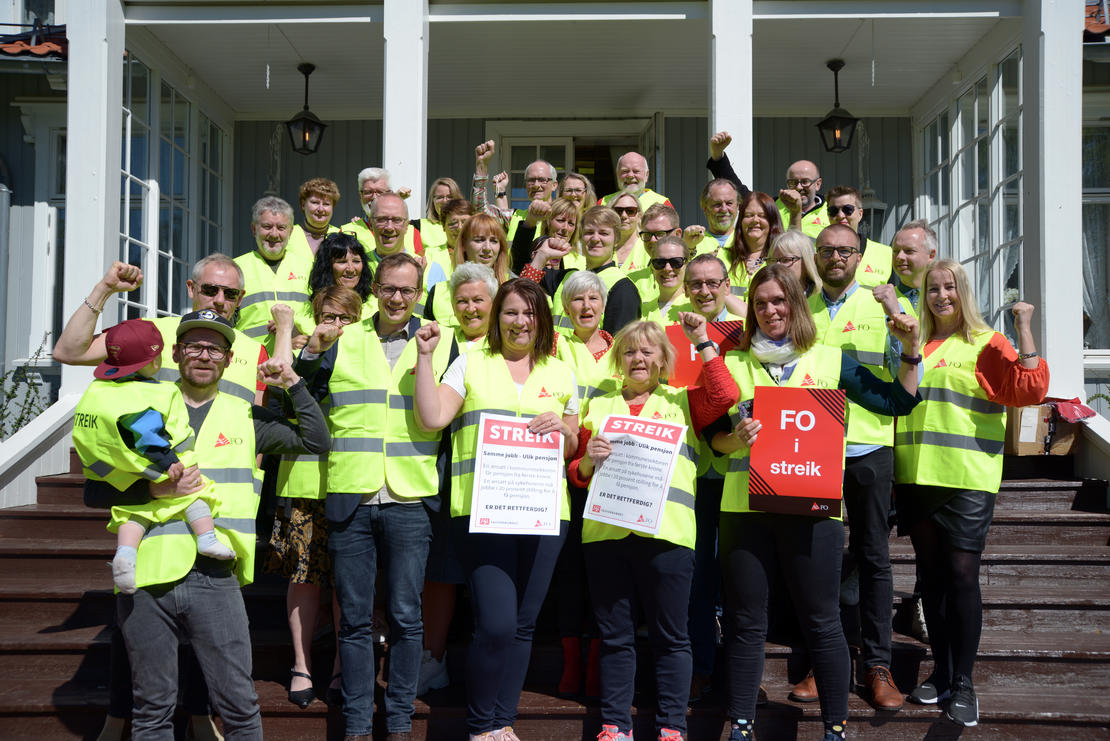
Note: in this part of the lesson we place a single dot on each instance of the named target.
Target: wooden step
(1007, 713)
(59, 520)
(62, 488)
(1031, 565)
(1049, 527)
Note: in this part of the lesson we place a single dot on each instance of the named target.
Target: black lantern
(305, 129)
(839, 126)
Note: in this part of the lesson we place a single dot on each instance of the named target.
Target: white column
(730, 106)
(405, 108)
(94, 120)
(1052, 95)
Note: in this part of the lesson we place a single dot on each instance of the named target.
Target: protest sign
(630, 487)
(797, 462)
(688, 363)
(518, 478)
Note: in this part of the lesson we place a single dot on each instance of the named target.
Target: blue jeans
(205, 606)
(398, 534)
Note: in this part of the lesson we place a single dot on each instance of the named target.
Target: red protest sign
(687, 364)
(797, 462)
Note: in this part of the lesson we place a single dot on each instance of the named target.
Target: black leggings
(953, 604)
(508, 577)
(807, 551)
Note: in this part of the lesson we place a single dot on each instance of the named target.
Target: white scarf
(776, 355)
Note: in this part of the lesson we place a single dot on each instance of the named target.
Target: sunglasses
(211, 291)
(627, 210)
(847, 209)
(676, 263)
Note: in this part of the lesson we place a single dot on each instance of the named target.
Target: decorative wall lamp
(305, 129)
(838, 127)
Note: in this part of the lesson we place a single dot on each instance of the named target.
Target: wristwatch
(702, 345)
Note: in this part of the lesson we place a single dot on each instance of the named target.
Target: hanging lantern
(839, 126)
(305, 129)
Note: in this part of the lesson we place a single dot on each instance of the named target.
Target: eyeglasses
(574, 191)
(843, 252)
(407, 292)
(697, 285)
(655, 235)
(847, 209)
(537, 181)
(341, 319)
(799, 182)
(626, 210)
(676, 263)
(211, 291)
(786, 260)
(196, 349)
(389, 220)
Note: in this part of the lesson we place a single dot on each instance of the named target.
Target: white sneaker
(433, 674)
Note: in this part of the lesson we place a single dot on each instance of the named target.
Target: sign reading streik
(518, 478)
(797, 462)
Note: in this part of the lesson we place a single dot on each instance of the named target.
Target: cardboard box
(1028, 429)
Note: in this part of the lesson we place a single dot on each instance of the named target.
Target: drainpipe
(5, 218)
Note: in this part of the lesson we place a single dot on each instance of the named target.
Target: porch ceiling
(574, 68)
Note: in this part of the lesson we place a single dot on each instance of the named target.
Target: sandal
(301, 698)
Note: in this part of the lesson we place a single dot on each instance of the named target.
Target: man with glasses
(373, 182)
(381, 479)
(216, 283)
(659, 221)
(183, 592)
(272, 274)
(540, 181)
(845, 206)
(799, 203)
(720, 202)
(848, 316)
(632, 176)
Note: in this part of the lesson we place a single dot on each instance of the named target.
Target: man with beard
(720, 200)
(190, 594)
(271, 273)
(632, 177)
(848, 316)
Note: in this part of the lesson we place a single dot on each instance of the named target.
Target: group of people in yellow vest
(403, 333)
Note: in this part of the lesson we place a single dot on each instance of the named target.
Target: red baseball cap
(131, 345)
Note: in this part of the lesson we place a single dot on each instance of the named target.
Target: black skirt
(961, 516)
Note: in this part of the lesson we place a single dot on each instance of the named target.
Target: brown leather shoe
(805, 691)
(761, 699)
(884, 694)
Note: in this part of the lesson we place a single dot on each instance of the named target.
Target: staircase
(1043, 670)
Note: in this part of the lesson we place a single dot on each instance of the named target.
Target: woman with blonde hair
(626, 567)
(948, 467)
(431, 225)
(793, 249)
(578, 188)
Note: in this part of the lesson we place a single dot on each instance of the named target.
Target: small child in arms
(129, 426)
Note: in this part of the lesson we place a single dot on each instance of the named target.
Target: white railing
(39, 449)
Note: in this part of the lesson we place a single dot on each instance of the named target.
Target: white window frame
(1096, 360)
(956, 240)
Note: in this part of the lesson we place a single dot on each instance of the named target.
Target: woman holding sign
(948, 465)
(778, 349)
(508, 574)
(649, 564)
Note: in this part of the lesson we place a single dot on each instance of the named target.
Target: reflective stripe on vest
(668, 404)
(240, 378)
(490, 388)
(265, 286)
(955, 437)
(104, 454)
(859, 331)
(819, 367)
(225, 453)
(375, 438)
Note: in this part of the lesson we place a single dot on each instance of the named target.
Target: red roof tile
(40, 43)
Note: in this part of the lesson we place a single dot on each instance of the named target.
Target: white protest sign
(630, 487)
(518, 478)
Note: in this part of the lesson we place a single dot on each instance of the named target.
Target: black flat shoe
(301, 698)
(334, 696)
